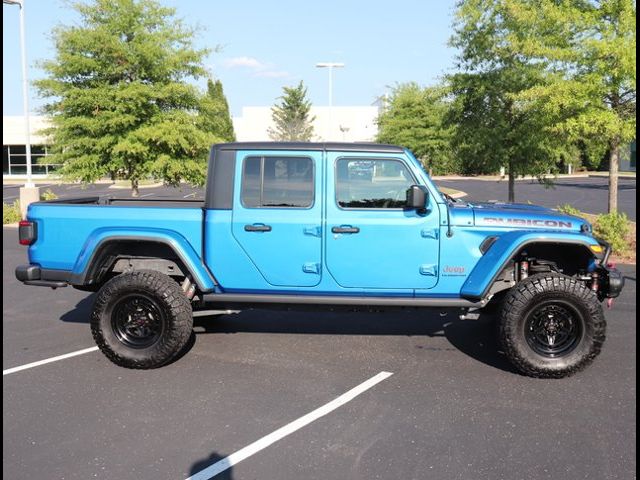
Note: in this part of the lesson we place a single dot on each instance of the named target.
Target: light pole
(28, 193)
(330, 66)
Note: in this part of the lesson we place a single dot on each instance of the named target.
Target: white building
(14, 158)
(337, 124)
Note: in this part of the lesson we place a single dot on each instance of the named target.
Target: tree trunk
(134, 188)
(512, 183)
(614, 160)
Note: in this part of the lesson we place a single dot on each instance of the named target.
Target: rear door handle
(345, 229)
(257, 228)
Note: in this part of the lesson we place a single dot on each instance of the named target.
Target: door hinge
(311, 268)
(313, 231)
(433, 233)
(429, 270)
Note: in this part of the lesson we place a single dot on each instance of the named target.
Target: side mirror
(417, 198)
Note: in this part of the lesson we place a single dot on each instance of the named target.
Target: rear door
(372, 241)
(277, 215)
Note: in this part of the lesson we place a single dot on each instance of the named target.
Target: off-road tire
(169, 308)
(550, 290)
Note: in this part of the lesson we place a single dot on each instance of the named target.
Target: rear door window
(277, 182)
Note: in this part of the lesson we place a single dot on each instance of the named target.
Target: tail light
(27, 232)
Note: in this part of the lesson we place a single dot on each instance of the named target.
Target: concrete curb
(497, 178)
(140, 187)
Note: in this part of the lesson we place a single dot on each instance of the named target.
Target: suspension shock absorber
(595, 281)
(189, 288)
(524, 269)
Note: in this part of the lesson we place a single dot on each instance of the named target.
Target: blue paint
(394, 252)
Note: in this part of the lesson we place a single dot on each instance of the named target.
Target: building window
(14, 160)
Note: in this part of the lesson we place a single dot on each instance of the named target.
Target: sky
(261, 46)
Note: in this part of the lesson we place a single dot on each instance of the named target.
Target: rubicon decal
(527, 222)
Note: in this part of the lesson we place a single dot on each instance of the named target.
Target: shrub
(11, 212)
(48, 195)
(570, 210)
(613, 228)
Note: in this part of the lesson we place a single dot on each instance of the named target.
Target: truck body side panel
(281, 192)
(505, 247)
(69, 234)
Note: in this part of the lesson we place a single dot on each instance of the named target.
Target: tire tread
(518, 300)
(178, 311)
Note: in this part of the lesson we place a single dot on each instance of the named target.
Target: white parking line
(146, 195)
(228, 462)
(48, 360)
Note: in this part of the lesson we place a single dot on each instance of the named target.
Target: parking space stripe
(235, 458)
(48, 360)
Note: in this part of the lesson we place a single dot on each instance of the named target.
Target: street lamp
(330, 66)
(29, 193)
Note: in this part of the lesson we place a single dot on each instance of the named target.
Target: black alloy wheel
(554, 329)
(137, 320)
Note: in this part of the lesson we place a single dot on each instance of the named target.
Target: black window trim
(262, 158)
(349, 157)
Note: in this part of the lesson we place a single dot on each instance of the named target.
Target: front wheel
(551, 326)
(141, 319)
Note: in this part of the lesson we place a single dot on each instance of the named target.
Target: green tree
(214, 111)
(414, 117)
(492, 129)
(589, 49)
(291, 117)
(120, 102)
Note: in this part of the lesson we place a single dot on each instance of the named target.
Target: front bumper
(34, 275)
(611, 279)
(612, 282)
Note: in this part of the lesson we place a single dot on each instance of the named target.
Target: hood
(517, 215)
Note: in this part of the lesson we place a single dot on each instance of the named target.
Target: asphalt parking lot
(452, 408)
(588, 194)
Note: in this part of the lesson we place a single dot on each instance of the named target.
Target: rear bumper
(36, 276)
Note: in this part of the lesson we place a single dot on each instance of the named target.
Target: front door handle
(257, 228)
(345, 229)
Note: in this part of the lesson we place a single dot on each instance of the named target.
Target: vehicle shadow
(81, 312)
(475, 338)
(200, 465)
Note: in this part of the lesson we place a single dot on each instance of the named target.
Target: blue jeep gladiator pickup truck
(299, 224)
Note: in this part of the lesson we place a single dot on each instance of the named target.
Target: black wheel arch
(568, 258)
(142, 253)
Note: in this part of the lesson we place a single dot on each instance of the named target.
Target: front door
(277, 215)
(372, 241)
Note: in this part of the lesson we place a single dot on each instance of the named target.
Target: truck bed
(68, 228)
(137, 202)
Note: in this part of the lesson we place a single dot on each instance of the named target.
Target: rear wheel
(141, 319)
(551, 326)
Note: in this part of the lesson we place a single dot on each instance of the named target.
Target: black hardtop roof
(321, 146)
